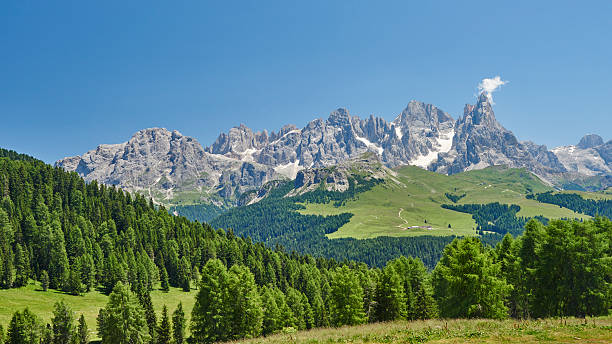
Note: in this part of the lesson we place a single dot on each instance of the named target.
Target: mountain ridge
(164, 164)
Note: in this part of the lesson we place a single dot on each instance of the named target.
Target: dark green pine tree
(63, 323)
(164, 330)
(209, 321)
(22, 267)
(165, 285)
(123, 320)
(178, 324)
(73, 284)
(58, 264)
(144, 298)
(6, 251)
(24, 328)
(390, 298)
(185, 274)
(82, 334)
(44, 280)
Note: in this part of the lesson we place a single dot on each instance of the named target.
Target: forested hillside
(73, 236)
(276, 221)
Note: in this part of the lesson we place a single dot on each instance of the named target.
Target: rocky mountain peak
(590, 141)
(238, 140)
(339, 117)
(482, 113)
(420, 116)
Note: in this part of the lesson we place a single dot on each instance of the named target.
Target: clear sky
(74, 74)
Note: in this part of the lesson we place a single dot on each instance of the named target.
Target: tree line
(577, 203)
(495, 217)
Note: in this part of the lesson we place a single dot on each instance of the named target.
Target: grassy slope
(377, 212)
(41, 303)
(598, 330)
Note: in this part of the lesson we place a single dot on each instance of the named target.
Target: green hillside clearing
(406, 204)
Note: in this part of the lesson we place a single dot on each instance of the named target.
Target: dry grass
(571, 330)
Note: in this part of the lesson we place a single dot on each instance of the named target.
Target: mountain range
(176, 169)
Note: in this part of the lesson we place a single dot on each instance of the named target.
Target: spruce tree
(243, 303)
(165, 285)
(44, 280)
(164, 330)
(6, 251)
(58, 263)
(22, 267)
(63, 323)
(178, 324)
(82, 334)
(209, 321)
(24, 328)
(144, 298)
(122, 321)
(73, 282)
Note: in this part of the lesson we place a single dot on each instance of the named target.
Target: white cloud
(489, 85)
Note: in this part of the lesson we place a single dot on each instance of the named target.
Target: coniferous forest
(77, 237)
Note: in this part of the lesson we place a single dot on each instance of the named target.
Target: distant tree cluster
(577, 203)
(495, 217)
(454, 198)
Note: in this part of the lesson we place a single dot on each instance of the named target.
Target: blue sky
(74, 74)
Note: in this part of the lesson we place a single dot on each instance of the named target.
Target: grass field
(415, 200)
(41, 303)
(572, 330)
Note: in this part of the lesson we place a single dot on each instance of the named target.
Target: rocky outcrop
(590, 157)
(590, 141)
(481, 141)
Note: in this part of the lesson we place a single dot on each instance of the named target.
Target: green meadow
(41, 303)
(406, 203)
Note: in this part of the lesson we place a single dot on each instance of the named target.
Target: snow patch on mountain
(398, 132)
(444, 141)
(370, 145)
(289, 170)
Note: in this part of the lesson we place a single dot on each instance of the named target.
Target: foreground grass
(88, 304)
(572, 330)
